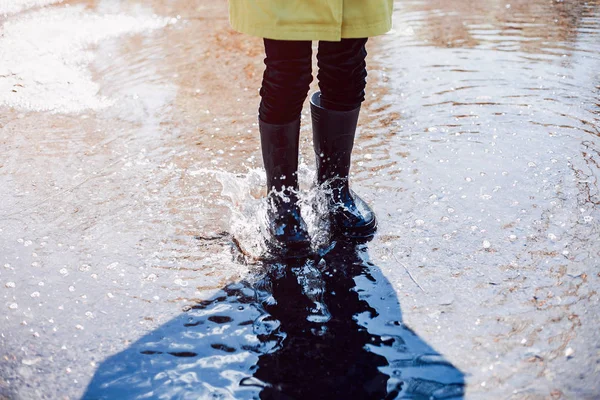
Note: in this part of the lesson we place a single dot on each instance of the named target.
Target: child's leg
(342, 74)
(342, 78)
(285, 86)
(286, 80)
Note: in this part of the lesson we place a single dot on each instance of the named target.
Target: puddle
(478, 150)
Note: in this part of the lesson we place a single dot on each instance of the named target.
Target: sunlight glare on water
(45, 57)
(14, 6)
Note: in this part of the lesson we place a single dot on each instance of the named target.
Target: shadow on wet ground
(295, 330)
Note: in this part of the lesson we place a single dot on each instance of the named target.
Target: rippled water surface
(130, 211)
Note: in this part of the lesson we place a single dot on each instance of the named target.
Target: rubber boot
(288, 231)
(333, 137)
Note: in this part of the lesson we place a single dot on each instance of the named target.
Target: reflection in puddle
(300, 330)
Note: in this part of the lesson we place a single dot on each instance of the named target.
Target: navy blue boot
(333, 136)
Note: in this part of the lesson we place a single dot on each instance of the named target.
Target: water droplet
(152, 277)
(10, 285)
(487, 244)
(569, 352)
(112, 265)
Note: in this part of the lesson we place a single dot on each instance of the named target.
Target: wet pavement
(130, 209)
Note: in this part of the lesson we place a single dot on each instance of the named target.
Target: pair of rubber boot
(349, 216)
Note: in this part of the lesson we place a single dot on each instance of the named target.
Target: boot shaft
(333, 137)
(280, 145)
(287, 230)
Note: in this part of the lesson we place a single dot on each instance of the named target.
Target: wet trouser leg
(342, 73)
(288, 74)
(286, 80)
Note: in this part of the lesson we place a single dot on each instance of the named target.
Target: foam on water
(45, 57)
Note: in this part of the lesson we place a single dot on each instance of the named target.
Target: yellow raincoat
(329, 20)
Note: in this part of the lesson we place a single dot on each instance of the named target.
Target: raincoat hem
(313, 33)
(365, 31)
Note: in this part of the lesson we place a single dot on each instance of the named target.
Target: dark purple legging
(342, 77)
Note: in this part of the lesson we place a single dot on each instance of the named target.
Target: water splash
(249, 221)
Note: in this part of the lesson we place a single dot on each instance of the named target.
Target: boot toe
(288, 235)
(355, 220)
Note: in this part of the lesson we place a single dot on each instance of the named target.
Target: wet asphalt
(130, 211)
